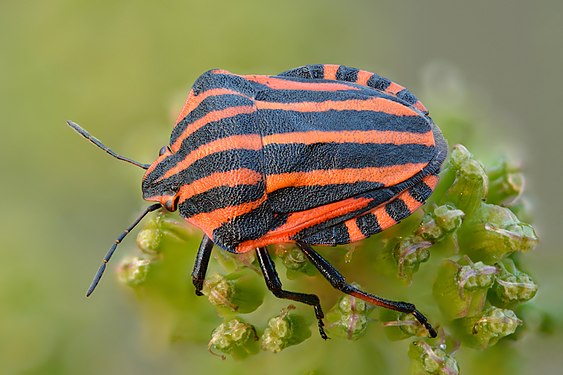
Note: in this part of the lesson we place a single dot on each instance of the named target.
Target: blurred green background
(122, 68)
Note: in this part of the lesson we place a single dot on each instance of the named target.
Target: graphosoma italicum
(317, 155)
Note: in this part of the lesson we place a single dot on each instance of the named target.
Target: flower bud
(162, 227)
(409, 253)
(294, 260)
(426, 359)
(506, 183)
(493, 232)
(238, 292)
(486, 329)
(133, 272)
(512, 285)
(348, 318)
(439, 222)
(461, 287)
(284, 330)
(401, 325)
(471, 182)
(234, 337)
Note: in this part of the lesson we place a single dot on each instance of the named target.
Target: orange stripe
(330, 71)
(300, 220)
(431, 181)
(222, 71)
(363, 77)
(244, 141)
(411, 203)
(214, 219)
(186, 108)
(193, 102)
(354, 231)
(284, 84)
(389, 175)
(351, 136)
(394, 88)
(232, 178)
(210, 117)
(418, 105)
(370, 104)
(385, 221)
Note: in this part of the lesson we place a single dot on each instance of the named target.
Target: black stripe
(210, 104)
(292, 199)
(284, 121)
(420, 192)
(334, 235)
(316, 71)
(348, 74)
(296, 96)
(237, 125)
(406, 96)
(397, 209)
(249, 226)
(221, 197)
(223, 161)
(378, 82)
(295, 157)
(307, 71)
(301, 72)
(210, 80)
(368, 224)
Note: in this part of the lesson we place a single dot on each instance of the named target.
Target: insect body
(317, 155)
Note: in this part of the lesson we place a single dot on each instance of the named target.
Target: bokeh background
(122, 68)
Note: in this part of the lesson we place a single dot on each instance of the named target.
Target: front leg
(201, 263)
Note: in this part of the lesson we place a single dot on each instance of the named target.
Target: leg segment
(201, 263)
(274, 284)
(338, 281)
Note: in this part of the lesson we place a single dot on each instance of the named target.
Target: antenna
(98, 143)
(112, 249)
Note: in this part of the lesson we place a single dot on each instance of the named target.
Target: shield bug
(317, 155)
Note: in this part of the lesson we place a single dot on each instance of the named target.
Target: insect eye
(163, 150)
(172, 204)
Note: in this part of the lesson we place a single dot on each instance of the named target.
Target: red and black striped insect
(317, 155)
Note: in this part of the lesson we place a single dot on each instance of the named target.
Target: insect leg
(274, 284)
(201, 263)
(339, 282)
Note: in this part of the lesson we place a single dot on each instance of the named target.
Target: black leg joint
(201, 264)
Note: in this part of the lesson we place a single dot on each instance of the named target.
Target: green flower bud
(513, 286)
(348, 318)
(238, 292)
(471, 183)
(402, 325)
(133, 272)
(506, 183)
(441, 221)
(162, 227)
(493, 232)
(236, 262)
(409, 253)
(149, 240)
(485, 330)
(284, 330)
(426, 359)
(448, 218)
(295, 262)
(475, 276)
(234, 337)
(461, 287)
